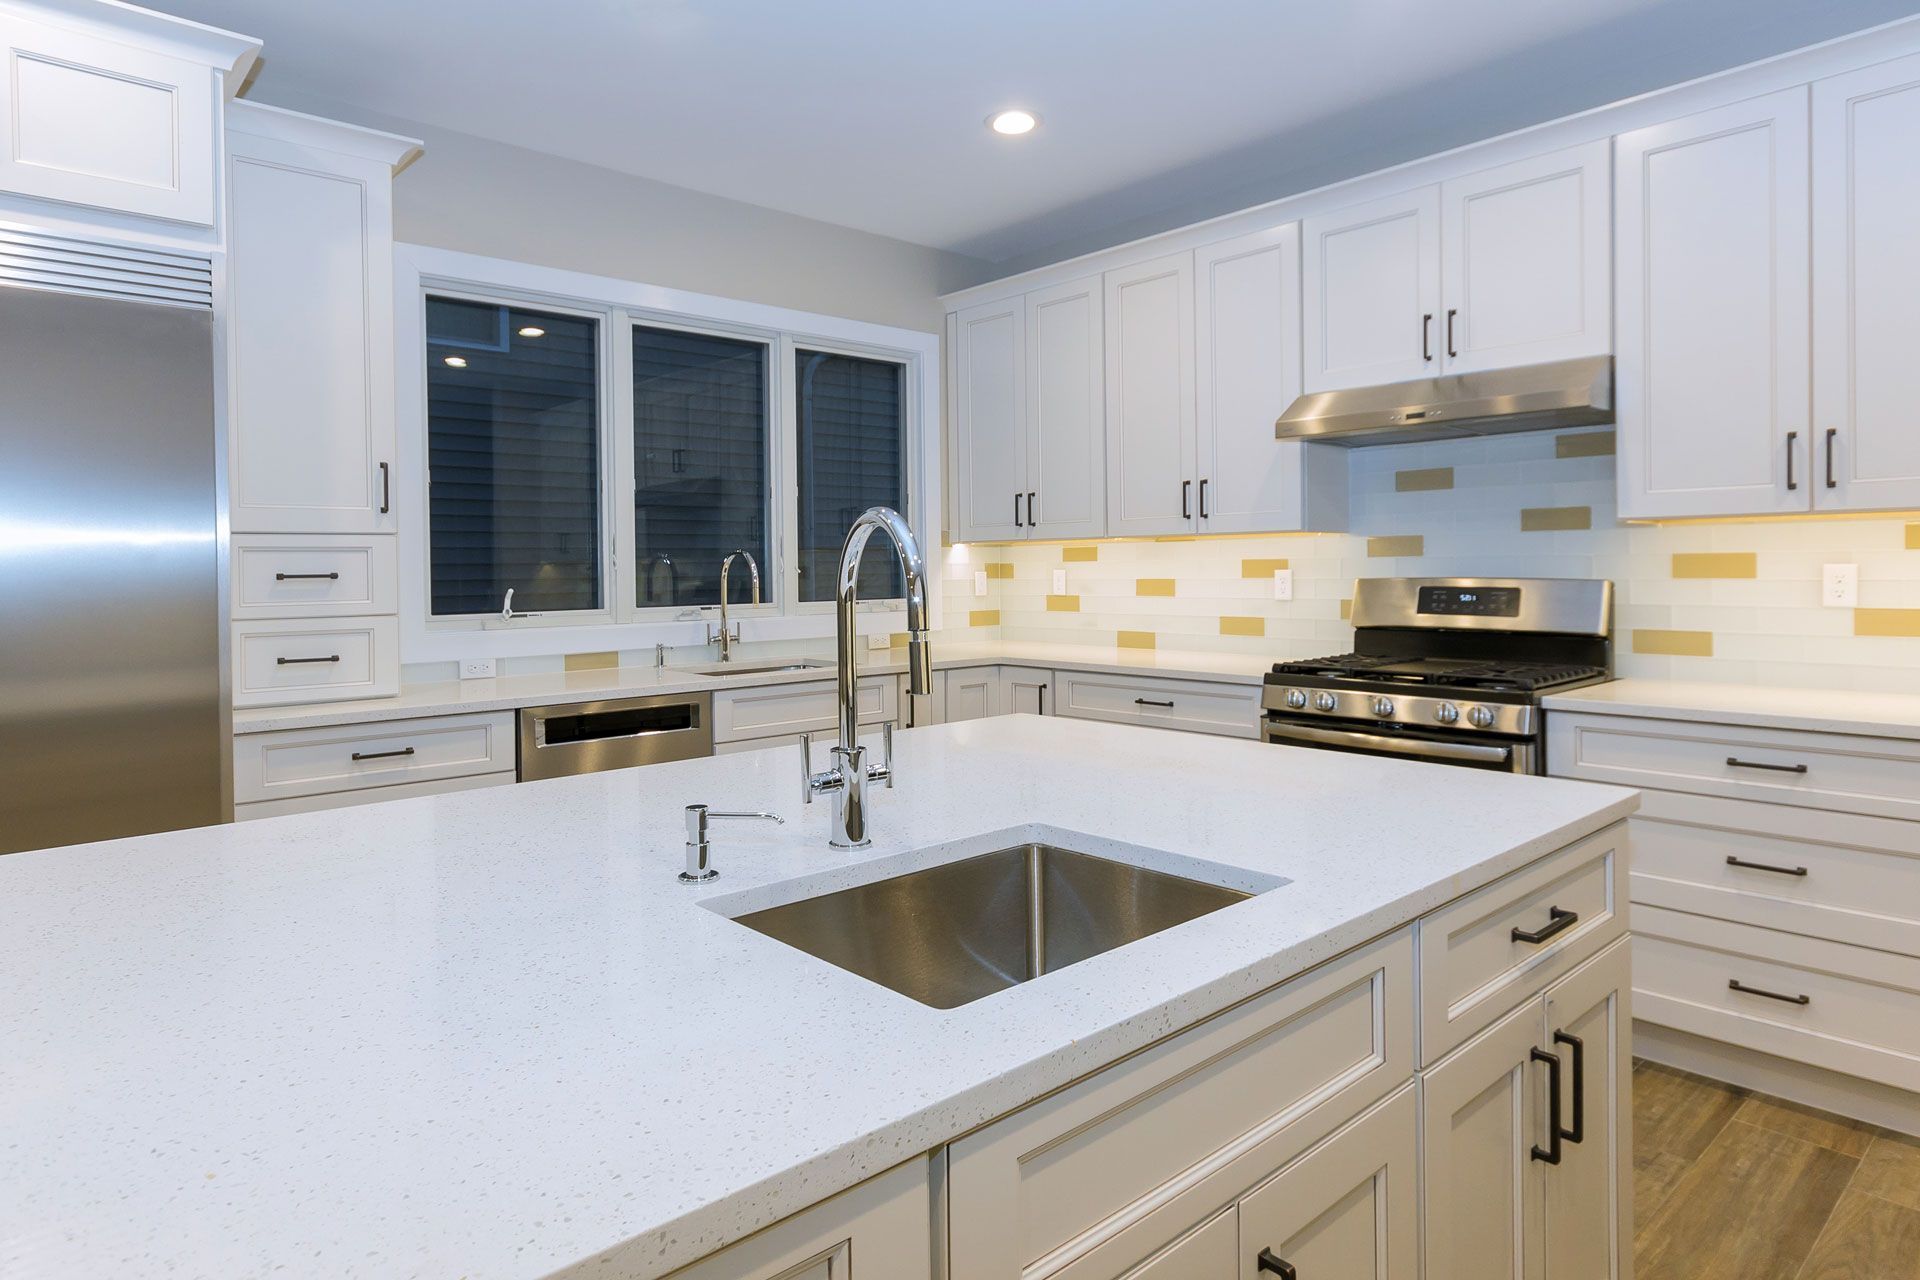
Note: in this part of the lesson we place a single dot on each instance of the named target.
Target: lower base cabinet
(878, 1230)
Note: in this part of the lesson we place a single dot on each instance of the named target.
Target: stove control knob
(1446, 713)
(1325, 701)
(1297, 698)
(1383, 707)
(1481, 717)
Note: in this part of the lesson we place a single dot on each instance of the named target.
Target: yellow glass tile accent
(1913, 537)
(1153, 586)
(1715, 564)
(592, 661)
(1136, 640)
(1424, 479)
(1886, 622)
(1412, 544)
(898, 640)
(1063, 604)
(1071, 554)
(983, 618)
(998, 569)
(1588, 444)
(1262, 568)
(1679, 644)
(1346, 610)
(1549, 519)
(1243, 626)
(1178, 537)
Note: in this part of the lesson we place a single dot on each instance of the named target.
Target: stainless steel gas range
(1448, 669)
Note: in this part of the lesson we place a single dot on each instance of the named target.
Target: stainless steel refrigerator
(113, 702)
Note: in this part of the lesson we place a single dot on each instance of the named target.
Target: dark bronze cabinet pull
(1735, 762)
(1765, 866)
(1270, 1261)
(1792, 438)
(1831, 482)
(1734, 984)
(386, 488)
(1557, 921)
(1551, 1153)
(1149, 702)
(1031, 522)
(1203, 499)
(301, 577)
(1186, 499)
(1016, 512)
(294, 662)
(1576, 1133)
(1426, 336)
(382, 755)
(1451, 313)
(1040, 701)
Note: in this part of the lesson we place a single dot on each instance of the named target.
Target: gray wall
(485, 197)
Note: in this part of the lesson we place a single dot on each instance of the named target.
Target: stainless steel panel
(1507, 757)
(1566, 606)
(112, 713)
(1511, 718)
(951, 934)
(1539, 397)
(615, 733)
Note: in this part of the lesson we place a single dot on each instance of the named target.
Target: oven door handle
(1474, 752)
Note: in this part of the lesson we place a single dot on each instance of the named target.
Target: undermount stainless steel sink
(951, 934)
(758, 668)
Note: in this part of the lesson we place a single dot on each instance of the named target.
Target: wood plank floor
(1732, 1185)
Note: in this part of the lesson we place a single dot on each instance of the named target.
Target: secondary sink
(951, 934)
(757, 668)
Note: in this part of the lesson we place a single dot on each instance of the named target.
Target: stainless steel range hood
(1536, 397)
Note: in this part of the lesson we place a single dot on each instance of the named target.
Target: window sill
(421, 643)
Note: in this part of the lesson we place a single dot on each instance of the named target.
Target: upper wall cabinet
(1150, 402)
(1526, 262)
(1866, 288)
(1029, 432)
(1508, 266)
(113, 108)
(311, 318)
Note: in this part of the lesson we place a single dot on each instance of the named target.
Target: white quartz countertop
(505, 693)
(1882, 715)
(489, 1034)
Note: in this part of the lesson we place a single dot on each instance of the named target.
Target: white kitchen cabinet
(311, 319)
(315, 660)
(1588, 1209)
(1866, 288)
(1712, 370)
(1150, 400)
(1526, 262)
(292, 763)
(1229, 710)
(974, 693)
(1247, 371)
(990, 421)
(1066, 443)
(875, 1231)
(115, 108)
(791, 709)
(1372, 285)
(1026, 689)
(1205, 1253)
(288, 575)
(1350, 1208)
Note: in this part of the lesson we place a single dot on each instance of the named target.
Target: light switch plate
(1840, 586)
(979, 582)
(1059, 582)
(1283, 584)
(476, 668)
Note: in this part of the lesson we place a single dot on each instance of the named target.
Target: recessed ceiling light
(455, 362)
(1012, 123)
(532, 331)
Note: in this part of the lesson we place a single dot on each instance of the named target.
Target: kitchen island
(492, 1034)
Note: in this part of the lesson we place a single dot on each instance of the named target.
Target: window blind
(851, 456)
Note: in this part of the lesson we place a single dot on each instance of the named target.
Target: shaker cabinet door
(1589, 1195)
(1150, 422)
(1066, 425)
(1371, 277)
(990, 421)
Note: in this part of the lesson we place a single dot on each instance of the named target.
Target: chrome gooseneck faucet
(728, 640)
(849, 776)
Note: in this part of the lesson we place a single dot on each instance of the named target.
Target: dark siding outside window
(700, 465)
(851, 456)
(513, 448)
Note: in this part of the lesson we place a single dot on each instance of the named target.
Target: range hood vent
(1537, 397)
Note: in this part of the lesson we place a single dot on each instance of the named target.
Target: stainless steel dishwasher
(586, 737)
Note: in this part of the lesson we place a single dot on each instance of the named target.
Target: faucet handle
(886, 752)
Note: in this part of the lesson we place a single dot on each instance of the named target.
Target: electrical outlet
(1840, 586)
(881, 641)
(1283, 584)
(1059, 582)
(476, 668)
(979, 582)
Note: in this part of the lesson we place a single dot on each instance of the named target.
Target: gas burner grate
(1441, 672)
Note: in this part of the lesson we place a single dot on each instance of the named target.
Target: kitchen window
(852, 451)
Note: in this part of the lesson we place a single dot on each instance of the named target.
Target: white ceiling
(869, 113)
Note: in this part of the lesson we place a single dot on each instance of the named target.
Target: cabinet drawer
(875, 1231)
(1473, 968)
(1843, 877)
(1779, 766)
(277, 662)
(1861, 1010)
(1094, 1178)
(772, 710)
(294, 576)
(305, 762)
(1226, 709)
(1349, 1208)
(370, 795)
(1205, 1253)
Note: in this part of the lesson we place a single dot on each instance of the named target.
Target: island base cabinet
(1205, 1253)
(1348, 1209)
(1507, 1196)
(876, 1231)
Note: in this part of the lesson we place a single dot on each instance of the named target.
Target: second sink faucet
(728, 640)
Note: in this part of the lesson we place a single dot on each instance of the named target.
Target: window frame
(619, 306)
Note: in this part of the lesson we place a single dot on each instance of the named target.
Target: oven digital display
(1471, 602)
